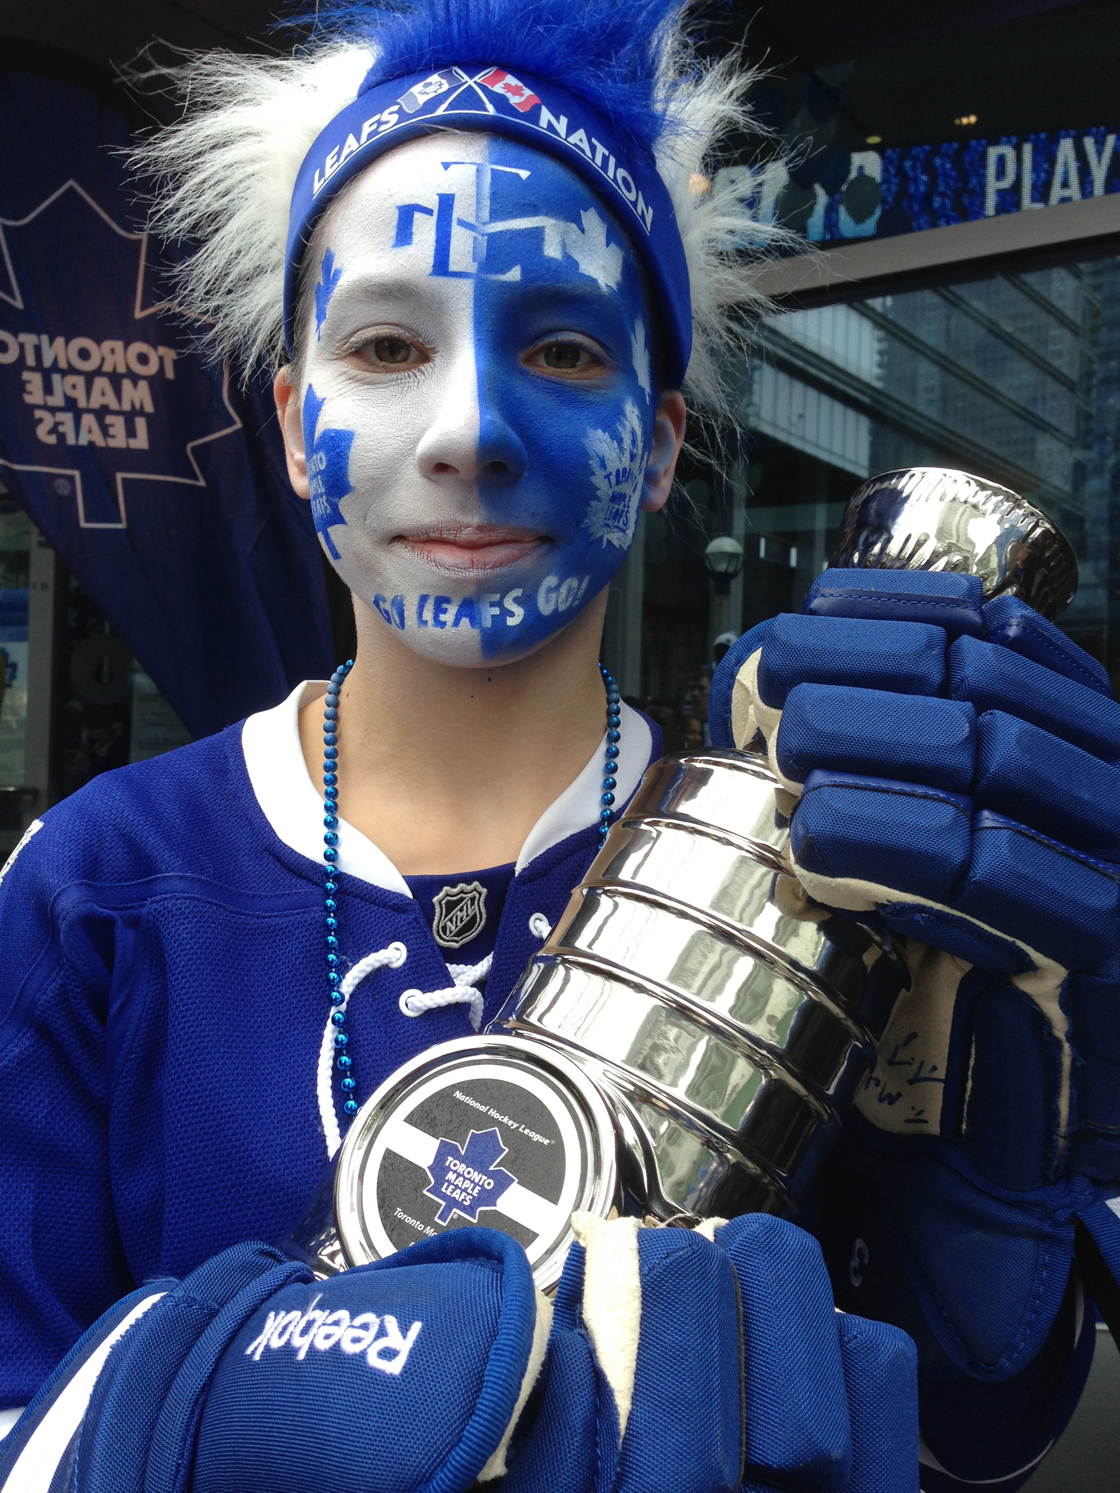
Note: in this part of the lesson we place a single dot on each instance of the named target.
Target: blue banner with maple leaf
(160, 482)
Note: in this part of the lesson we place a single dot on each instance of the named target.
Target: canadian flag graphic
(505, 83)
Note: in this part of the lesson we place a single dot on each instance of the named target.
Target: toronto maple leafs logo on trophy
(459, 914)
(465, 1179)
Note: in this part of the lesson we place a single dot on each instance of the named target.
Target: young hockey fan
(487, 246)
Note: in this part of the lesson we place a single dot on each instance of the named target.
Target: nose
(502, 459)
(471, 440)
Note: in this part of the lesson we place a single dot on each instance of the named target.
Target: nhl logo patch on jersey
(459, 914)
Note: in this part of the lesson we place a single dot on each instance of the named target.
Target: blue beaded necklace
(344, 1060)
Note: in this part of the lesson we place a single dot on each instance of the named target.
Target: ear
(286, 394)
(668, 437)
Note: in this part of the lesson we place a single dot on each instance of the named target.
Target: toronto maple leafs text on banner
(160, 482)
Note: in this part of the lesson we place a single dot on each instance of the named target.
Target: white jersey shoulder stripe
(33, 828)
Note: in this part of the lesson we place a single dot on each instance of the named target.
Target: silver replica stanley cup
(689, 1038)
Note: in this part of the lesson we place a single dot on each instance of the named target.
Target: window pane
(1014, 378)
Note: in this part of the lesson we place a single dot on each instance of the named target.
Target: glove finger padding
(928, 742)
(928, 766)
(402, 1375)
(91, 1424)
(684, 1426)
(1003, 764)
(880, 1371)
(830, 1402)
(802, 1437)
(641, 1390)
(995, 885)
(657, 1379)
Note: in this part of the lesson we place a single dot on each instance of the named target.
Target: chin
(466, 652)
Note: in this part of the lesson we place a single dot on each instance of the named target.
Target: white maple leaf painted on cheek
(617, 469)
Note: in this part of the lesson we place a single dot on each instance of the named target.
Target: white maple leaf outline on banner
(139, 312)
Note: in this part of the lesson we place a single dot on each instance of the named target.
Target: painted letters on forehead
(481, 248)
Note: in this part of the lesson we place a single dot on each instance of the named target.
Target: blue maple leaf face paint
(329, 276)
(478, 405)
(328, 458)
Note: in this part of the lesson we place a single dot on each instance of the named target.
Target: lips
(473, 549)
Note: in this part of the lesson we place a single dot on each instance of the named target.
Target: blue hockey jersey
(163, 1003)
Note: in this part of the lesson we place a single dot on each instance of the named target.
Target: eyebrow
(583, 294)
(390, 286)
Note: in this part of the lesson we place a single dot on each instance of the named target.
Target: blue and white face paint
(478, 404)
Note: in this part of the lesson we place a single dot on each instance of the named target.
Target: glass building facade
(1014, 377)
(74, 701)
(969, 186)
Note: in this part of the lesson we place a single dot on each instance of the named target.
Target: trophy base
(495, 1131)
(508, 1132)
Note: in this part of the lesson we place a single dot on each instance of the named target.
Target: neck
(448, 769)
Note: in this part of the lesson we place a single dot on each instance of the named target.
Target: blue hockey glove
(952, 777)
(952, 772)
(642, 1389)
(956, 765)
(424, 1372)
(249, 1375)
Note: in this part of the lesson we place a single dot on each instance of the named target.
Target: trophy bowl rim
(1040, 533)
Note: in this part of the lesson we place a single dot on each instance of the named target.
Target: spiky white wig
(223, 175)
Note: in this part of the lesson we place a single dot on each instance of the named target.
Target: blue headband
(540, 114)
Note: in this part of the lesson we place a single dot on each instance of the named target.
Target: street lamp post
(723, 560)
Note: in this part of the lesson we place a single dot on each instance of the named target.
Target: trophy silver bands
(690, 1036)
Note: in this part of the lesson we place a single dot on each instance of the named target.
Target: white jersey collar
(289, 801)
